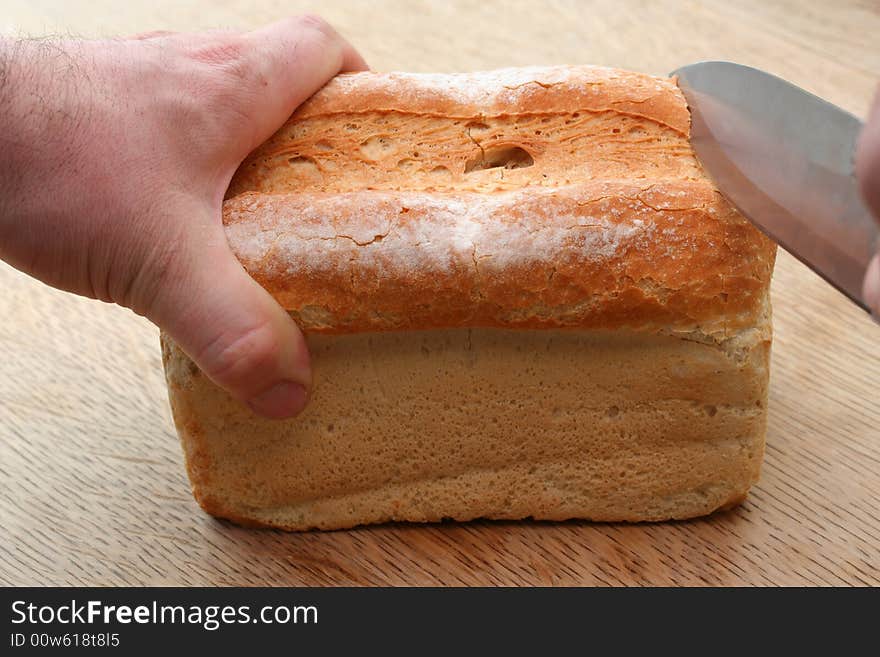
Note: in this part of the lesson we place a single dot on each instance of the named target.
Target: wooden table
(92, 486)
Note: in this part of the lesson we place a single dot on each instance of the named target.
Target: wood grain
(92, 487)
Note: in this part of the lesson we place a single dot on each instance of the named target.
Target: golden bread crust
(672, 256)
(376, 207)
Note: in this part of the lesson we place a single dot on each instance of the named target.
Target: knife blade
(785, 159)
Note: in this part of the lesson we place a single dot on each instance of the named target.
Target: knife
(785, 159)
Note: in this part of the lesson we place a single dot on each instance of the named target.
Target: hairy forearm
(15, 130)
(57, 197)
(42, 86)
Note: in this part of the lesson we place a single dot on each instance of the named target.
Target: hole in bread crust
(304, 166)
(495, 157)
(376, 147)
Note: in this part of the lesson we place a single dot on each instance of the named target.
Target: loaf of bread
(523, 298)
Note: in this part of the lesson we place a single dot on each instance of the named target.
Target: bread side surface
(495, 423)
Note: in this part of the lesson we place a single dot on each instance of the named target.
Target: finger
(235, 332)
(868, 158)
(294, 58)
(871, 286)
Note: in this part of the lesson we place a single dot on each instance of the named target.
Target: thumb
(235, 332)
(868, 158)
(868, 174)
(293, 58)
(871, 286)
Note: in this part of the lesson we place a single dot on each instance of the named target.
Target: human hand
(868, 174)
(116, 157)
